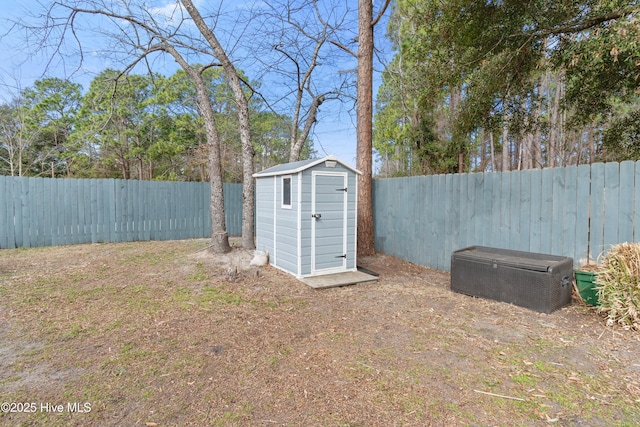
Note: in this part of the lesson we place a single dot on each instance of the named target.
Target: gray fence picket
(611, 200)
(524, 209)
(557, 208)
(583, 189)
(5, 217)
(570, 211)
(514, 207)
(546, 210)
(596, 214)
(626, 202)
(535, 227)
(495, 179)
(18, 205)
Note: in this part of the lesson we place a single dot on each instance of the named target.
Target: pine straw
(618, 284)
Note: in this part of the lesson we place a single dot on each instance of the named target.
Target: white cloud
(170, 14)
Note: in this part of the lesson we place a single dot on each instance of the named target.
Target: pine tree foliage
(500, 85)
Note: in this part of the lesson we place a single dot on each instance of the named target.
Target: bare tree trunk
(505, 146)
(364, 114)
(493, 152)
(554, 131)
(219, 236)
(248, 194)
(543, 91)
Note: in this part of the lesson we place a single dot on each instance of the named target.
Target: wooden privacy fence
(46, 212)
(576, 211)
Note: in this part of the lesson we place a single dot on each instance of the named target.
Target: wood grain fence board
(18, 207)
(133, 214)
(472, 201)
(505, 205)
(387, 194)
(206, 208)
(181, 213)
(92, 200)
(596, 227)
(378, 220)
(132, 207)
(419, 214)
(4, 217)
(109, 188)
(401, 228)
(477, 200)
(464, 210)
(191, 228)
(484, 190)
(546, 210)
(47, 214)
(524, 210)
(151, 220)
(514, 208)
(535, 227)
(487, 196)
(434, 212)
(52, 200)
(394, 195)
(570, 212)
(117, 209)
(557, 213)
(583, 200)
(626, 202)
(441, 220)
(459, 231)
(611, 204)
(450, 213)
(74, 208)
(16, 190)
(496, 180)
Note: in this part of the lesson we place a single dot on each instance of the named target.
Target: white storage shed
(306, 216)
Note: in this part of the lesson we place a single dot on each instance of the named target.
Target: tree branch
(380, 13)
(582, 25)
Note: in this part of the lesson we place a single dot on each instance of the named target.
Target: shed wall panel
(286, 228)
(264, 215)
(305, 236)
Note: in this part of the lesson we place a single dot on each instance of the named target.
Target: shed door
(329, 222)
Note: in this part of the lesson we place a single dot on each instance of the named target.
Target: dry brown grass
(159, 333)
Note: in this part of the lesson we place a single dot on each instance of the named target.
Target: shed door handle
(342, 256)
(316, 216)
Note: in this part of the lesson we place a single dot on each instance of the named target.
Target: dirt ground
(167, 334)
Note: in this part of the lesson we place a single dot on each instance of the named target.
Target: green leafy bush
(618, 284)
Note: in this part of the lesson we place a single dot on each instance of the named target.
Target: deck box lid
(509, 258)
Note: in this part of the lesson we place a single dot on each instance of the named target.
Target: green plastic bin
(586, 282)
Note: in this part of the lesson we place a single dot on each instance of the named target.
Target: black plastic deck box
(536, 281)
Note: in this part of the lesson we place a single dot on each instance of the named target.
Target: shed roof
(295, 167)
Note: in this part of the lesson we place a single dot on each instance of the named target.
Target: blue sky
(334, 134)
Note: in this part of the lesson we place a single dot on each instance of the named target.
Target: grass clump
(618, 285)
